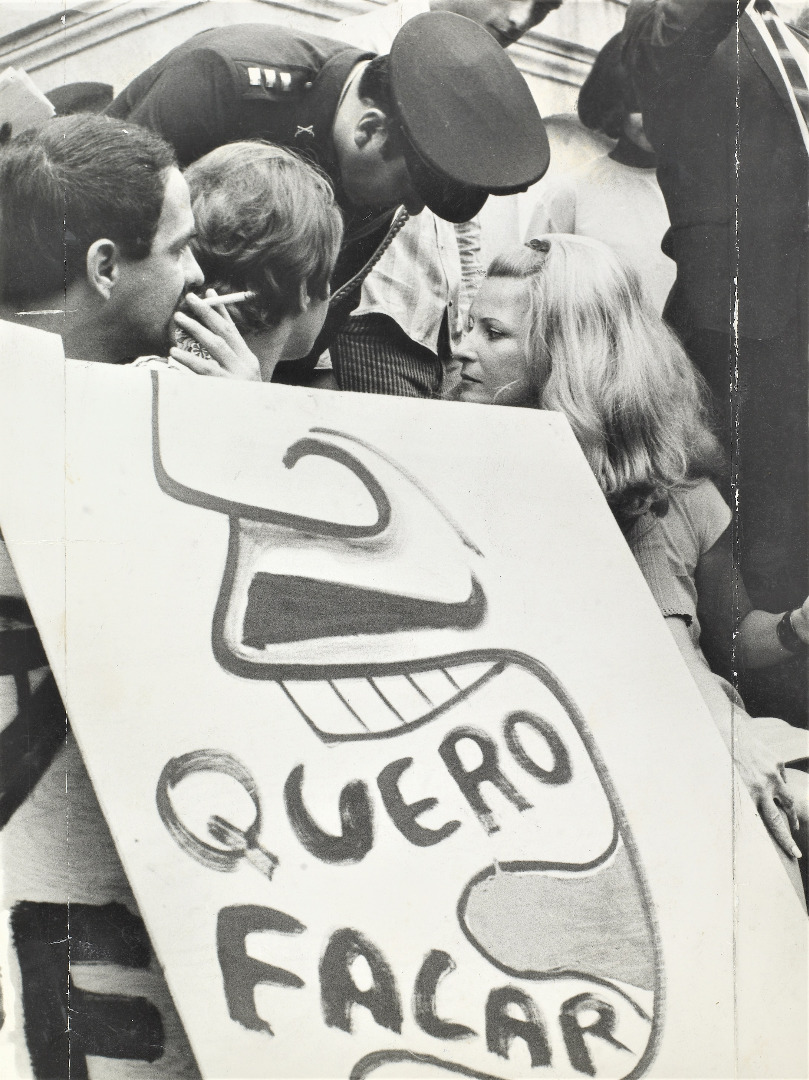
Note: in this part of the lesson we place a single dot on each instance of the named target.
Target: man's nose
(413, 203)
(193, 272)
(409, 198)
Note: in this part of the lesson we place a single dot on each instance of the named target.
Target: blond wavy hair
(597, 351)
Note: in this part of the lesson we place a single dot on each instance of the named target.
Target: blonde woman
(562, 323)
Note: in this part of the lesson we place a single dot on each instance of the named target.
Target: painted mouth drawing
(332, 612)
(279, 613)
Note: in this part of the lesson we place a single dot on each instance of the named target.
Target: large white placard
(399, 757)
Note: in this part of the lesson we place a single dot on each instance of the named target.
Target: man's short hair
(266, 222)
(75, 180)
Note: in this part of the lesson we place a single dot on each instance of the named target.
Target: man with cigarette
(94, 246)
(97, 230)
(97, 225)
(443, 121)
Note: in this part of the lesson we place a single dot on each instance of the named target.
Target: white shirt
(620, 205)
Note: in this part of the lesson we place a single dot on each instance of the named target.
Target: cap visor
(446, 198)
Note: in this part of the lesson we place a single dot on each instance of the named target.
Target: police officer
(444, 121)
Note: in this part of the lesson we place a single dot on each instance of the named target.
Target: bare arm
(555, 208)
(724, 605)
(758, 640)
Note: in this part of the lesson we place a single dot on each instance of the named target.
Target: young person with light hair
(267, 225)
(564, 324)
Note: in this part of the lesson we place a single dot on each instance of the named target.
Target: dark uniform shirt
(259, 81)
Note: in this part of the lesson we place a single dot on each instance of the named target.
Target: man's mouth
(181, 304)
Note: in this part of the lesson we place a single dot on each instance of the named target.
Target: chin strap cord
(399, 220)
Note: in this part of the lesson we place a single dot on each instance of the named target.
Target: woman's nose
(465, 351)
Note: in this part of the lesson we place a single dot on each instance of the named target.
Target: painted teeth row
(380, 703)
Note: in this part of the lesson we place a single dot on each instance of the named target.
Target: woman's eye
(493, 334)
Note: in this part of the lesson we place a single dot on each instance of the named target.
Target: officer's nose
(413, 203)
(409, 198)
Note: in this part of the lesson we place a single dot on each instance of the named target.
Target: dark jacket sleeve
(669, 39)
(192, 103)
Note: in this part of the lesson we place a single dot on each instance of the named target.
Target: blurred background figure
(614, 197)
(80, 97)
(723, 90)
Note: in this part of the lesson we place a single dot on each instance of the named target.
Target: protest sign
(401, 762)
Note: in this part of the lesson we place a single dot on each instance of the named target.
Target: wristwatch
(788, 637)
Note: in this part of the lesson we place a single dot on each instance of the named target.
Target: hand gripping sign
(456, 783)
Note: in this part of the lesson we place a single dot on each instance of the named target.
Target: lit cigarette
(228, 298)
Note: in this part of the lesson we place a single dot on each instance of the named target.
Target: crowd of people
(333, 194)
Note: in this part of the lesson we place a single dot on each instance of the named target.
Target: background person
(562, 324)
(614, 197)
(720, 109)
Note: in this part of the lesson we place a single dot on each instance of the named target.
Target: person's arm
(375, 30)
(506, 22)
(724, 606)
(762, 774)
(669, 39)
(759, 644)
(760, 770)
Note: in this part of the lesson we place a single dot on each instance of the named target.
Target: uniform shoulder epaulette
(276, 83)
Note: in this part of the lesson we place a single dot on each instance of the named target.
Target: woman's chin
(469, 391)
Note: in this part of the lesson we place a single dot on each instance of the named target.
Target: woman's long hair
(599, 353)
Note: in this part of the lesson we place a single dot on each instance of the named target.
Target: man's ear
(103, 267)
(373, 124)
(304, 299)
